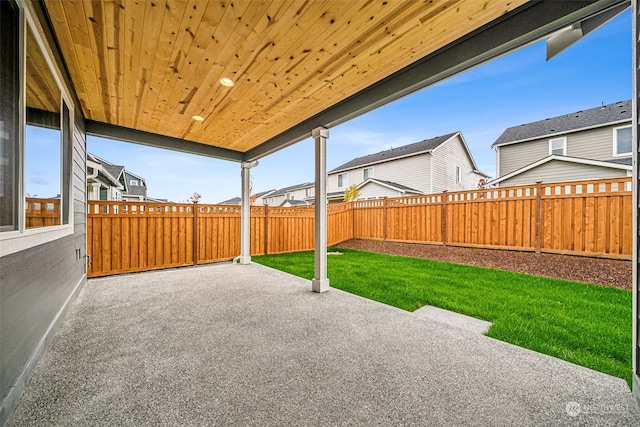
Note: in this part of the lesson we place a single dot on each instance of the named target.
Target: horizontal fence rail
(592, 218)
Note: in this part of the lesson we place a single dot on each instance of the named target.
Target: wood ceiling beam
(522, 26)
(120, 133)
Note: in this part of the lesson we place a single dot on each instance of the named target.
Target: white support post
(320, 283)
(245, 213)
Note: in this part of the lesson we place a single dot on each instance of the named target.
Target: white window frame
(21, 239)
(615, 142)
(134, 182)
(345, 182)
(370, 175)
(458, 175)
(564, 145)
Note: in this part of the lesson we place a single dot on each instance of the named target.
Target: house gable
(446, 161)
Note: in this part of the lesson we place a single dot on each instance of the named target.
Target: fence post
(444, 217)
(384, 218)
(353, 218)
(538, 216)
(266, 229)
(196, 246)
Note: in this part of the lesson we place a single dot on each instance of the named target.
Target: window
(133, 182)
(46, 144)
(622, 141)
(458, 175)
(9, 116)
(343, 180)
(308, 192)
(558, 146)
(36, 139)
(367, 173)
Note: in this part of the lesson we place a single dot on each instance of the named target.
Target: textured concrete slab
(247, 345)
(452, 318)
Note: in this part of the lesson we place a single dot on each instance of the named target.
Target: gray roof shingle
(622, 161)
(232, 201)
(406, 150)
(566, 123)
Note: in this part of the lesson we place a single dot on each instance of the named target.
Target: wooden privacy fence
(139, 236)
(591, 218)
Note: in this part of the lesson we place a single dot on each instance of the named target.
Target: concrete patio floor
(248, 345)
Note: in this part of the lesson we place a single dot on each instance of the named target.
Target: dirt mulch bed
(598, 271)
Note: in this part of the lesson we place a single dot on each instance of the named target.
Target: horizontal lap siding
(37, 284)
(412, 172)
(515, 156)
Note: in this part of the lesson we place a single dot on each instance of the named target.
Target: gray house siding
(515, 156)
(38, 284)
(558, 171)
(595, 144)
(445, 160)
(412, 171)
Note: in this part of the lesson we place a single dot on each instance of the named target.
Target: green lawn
(585, 324)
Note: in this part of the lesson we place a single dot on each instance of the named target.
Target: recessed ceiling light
(198, 118)
(226, 82)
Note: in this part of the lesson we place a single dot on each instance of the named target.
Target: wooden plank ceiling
(152, 65)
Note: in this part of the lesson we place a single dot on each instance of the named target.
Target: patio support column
(636, 205)
(245, 213)
(320, 283)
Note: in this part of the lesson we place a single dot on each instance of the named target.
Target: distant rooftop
(603, 115)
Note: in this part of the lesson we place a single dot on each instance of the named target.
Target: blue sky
(481, 103)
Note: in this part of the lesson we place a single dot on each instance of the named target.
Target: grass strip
(585, 324)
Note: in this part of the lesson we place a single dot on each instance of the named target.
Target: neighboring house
(135, 187)
(301, 192)
(101, 183)
(106, 181)
(259, 198)
(429, 166)
(589, 144)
